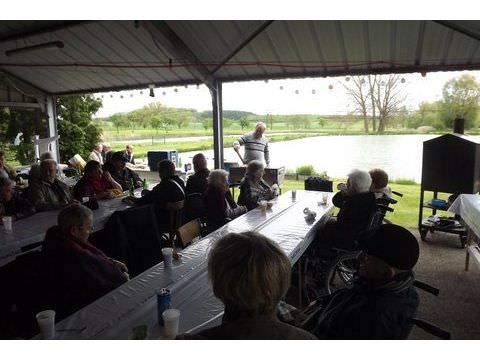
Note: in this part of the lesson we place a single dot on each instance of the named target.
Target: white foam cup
(167, 256)
(7, 223)
(325, 198)
(46, 324)
(171, 319)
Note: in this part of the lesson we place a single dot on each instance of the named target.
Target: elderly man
(129, 155)
(256, 145)
(383, 299)
(120, 173)
(11, 203)
(96, 153)
(49, 193)
(105, 149)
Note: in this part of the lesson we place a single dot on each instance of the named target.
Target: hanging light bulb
(164, 93)
(121, 96)
(266, 81)
(198, 86)
(176, 90)
(151, 87)
(347, 78)
(111, 96)
(330, 87)
(297, 92)
(423, 73)
(141, 92)
(314, 91)
(186, 86)
(281, 87)
(101, 96)
(403, 80)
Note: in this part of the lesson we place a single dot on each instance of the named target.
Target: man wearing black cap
(120, 173)
(383, 298)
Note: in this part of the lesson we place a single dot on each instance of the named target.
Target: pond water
(399, 155)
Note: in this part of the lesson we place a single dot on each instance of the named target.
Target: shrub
(307, 170)
(403, 181)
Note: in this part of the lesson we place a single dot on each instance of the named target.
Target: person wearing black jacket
(120, 173)
(12, 203)
(357, 206)
(383, 299)
(170, 189)
(196, 186)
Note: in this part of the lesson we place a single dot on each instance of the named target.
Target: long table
(134, 303)
(32, 229)
(468, 207)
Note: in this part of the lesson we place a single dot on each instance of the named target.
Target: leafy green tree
(30, 123)
(460, 99)
(118, 121)
(244, 123)
(77, 131)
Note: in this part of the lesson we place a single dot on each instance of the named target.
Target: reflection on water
(399, 155)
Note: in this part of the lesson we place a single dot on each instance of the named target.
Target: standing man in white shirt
(256, 145)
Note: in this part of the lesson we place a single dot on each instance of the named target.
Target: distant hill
(231, 114)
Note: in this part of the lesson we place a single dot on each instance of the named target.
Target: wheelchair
(341, 264)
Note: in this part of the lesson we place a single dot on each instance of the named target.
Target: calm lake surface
(399, 155)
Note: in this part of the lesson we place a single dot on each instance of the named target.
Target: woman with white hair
(220, 207)
(253, 188)
(357, 205)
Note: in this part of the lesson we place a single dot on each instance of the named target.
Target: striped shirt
(255, 149)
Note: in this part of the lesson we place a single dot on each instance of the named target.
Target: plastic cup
(46, 324)
(7, 223)
(294, 194)
(167, 256)
(171, 319)
(325, 198)
(263, 205)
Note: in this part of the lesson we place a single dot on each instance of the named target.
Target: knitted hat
(395, 245)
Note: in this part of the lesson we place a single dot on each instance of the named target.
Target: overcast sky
(260, 97)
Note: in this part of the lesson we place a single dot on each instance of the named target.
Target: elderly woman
(357, 205)
(95, 183)
(250, 274)
(82, 272)
(253, 188)
(218, 201)
(379, 183)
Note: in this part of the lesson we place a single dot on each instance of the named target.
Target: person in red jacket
(220, 207)
(81, 272)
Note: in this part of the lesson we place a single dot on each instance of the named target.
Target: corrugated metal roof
(108, 55)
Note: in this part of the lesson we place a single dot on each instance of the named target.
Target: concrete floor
(457, 308)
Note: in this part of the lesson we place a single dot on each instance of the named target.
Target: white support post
(52, 125)
(217, 110)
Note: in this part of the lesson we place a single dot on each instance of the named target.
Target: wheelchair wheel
(341, 272)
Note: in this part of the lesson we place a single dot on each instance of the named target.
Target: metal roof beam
(169, 39)
(244, 43)
(42, 30)
(458, 28)
(21, 86)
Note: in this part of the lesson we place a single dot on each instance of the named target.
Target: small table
(468, 207)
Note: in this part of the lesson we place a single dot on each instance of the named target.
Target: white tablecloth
(468, 207)
(134, 303)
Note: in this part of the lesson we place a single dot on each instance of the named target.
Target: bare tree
(359, 93)
(377, 98)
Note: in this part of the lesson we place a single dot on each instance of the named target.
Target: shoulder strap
(178, 185)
